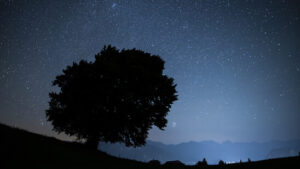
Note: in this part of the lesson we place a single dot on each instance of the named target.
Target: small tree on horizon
(221, 162)
(116, 98)
(202, 163)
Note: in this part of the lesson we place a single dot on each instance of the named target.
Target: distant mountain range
(23, 149)
(192, 152)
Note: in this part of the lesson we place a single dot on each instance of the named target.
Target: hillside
(22, 149)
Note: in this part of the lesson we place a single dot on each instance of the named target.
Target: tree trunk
(92, 143)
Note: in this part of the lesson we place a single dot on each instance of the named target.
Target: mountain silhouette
(192, 152)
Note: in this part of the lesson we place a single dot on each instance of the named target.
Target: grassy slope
(21, 149)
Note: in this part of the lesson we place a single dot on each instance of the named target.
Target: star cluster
(236, 62)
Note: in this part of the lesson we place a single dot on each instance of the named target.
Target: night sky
(236, 62)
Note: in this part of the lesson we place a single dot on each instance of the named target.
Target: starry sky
(236, 62)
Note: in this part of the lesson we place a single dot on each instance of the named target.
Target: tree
(221, 162)
(116, 98)
(202, 163)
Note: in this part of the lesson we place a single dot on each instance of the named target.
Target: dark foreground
(22, 149)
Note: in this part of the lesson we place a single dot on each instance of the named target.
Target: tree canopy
(116, 98)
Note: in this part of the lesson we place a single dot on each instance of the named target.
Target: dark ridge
(22, 149)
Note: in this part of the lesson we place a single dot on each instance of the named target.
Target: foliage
(221, 162)
(202, 163)
(117, 98)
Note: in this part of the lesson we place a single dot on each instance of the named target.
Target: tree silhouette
(221, 162)
(202, 163)
(116, 98)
